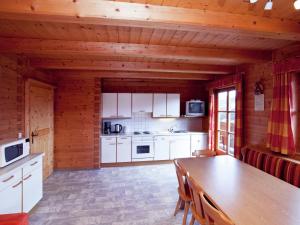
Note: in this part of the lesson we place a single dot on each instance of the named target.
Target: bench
(276, 165)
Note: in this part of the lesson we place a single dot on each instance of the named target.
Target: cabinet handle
(170, 115)
(11, 177)
(34, 163)
(26, 178)
(162, 115)
(120, 143)
(17, 184)
(112, 144)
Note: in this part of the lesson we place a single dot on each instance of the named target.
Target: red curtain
(231, 81)
(212, 118)
(280, 136)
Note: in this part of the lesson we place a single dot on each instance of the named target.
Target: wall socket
(20, 135)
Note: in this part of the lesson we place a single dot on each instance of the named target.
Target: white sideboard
(21, 184)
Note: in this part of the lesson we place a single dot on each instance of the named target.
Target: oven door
(142, 151)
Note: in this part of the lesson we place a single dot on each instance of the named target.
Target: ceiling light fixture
(269, 5)
(297, 4)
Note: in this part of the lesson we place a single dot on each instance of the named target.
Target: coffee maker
(107, 127)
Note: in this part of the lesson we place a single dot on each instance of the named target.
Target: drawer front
(124, 140)
(10, 178)
(32, 165)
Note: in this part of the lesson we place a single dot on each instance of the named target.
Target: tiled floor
(138, 195)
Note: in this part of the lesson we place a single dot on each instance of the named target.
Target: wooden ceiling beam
(195, 55)
(151, 16)
(77, 64)
(133, 75)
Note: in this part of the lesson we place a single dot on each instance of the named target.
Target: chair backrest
(181, 176)
(212, 214)
(195, 191)
(204, 153)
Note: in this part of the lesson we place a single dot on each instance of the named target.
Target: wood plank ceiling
(172, 38)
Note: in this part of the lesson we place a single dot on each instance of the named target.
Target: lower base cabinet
(32, 181)
(11, 198)
(109, 150)
(161, 148)
(124, 149)
(23, 187)
(180, 147)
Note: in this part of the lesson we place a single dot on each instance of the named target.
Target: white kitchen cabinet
(124, 149)
(11, 197)
(199, 142)
(32, 181)
(180, 146)
(173, 105)
(109, 105)
(161, 148)
(142, 102)
(159, 105)
(124, 105)
(108, 150)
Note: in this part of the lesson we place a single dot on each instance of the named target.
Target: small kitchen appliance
(107, 127)
(13, 150)
(118, 128)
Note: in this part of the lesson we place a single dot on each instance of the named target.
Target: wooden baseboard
(103, 165)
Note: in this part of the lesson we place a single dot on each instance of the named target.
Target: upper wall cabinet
(166, 105)
(109, 105)
(142, 103)
(159, 105)
(124, 105)
(173, 105)
(116, 105)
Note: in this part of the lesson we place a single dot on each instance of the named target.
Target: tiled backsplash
(145, 122)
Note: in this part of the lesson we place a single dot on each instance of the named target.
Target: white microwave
(13, 151)
(195, 108)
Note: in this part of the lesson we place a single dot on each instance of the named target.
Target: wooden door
(39, 121)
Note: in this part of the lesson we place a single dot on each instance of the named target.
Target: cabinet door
(161, 148)
(173, 105)
(124, 105)
(108, 150)
(11, 198)
(159, 105)
(180, 147)
(142, 103)
(199, 142)
(124, 149)
(109, 105)
(32, 189)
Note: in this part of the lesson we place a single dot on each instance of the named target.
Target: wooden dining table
(247, 195)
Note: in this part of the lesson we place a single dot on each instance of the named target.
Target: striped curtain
(280, 136)
(238, 130)
(212, 119)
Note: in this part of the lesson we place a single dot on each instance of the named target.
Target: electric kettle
(118, 128)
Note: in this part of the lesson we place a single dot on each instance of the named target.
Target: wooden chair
(213, 216)
(196, 205)
(204, 153)
(183, 192)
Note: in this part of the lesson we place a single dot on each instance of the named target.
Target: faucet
(172, 128)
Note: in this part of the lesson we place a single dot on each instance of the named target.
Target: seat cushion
(274, 165)
(291, 173)
(14, 219)
(254, 158)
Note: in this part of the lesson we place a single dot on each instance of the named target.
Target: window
(226, 121)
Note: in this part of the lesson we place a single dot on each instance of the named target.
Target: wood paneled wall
(13, 73)
(256, 123)
(77, 122)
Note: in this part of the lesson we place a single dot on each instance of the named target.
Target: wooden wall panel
(255, 123)
(13, 72)
(77, 103)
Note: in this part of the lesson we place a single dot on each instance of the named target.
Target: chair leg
(186, 210)
(192, 220)
(177, 206)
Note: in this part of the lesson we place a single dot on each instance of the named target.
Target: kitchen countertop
(154, 133)
(15, 165)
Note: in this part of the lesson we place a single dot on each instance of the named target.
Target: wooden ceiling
(167, 37)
